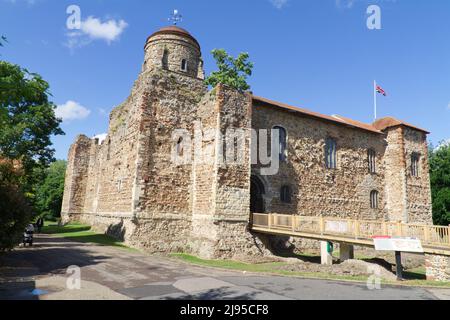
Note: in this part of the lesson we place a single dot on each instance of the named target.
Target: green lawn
(415, 277)
(272, 267)
(82, 233)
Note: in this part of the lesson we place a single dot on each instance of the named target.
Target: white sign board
(398, 244)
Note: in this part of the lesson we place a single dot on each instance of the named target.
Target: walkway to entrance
(435, 239)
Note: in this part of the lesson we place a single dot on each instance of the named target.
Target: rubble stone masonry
(130, 187)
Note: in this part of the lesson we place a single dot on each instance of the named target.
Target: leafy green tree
(49, 193)
(27, 120)
(232, 72)
(440, 184)
(15, 212)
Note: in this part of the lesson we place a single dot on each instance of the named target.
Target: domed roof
(176, 31)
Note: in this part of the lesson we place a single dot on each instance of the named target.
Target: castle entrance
(257, 192)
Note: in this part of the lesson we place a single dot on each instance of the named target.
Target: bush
(232, 72)
(440, 183)
(15, 212)
(49, 191)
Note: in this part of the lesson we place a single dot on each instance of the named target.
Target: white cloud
(100, 137)
(71, 110)
(442, 144)
(94, 29)
(448, 106)
(279, 4)
(29, 2)
(348, 4)
(109, 30)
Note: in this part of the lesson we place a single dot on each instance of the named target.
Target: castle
(130, 187)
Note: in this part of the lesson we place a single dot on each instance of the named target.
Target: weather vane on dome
(175, 17)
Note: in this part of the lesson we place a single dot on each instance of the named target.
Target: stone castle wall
(129, 186)
(342, 192)
(165, 193)
(395, 175)
(345, 191)
(109, 170)
(75, 180)
(418, 189)
(437, 267)
(221, 211)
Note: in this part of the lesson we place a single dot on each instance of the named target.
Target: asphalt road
(112, 273)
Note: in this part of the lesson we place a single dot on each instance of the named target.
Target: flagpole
(375, 99)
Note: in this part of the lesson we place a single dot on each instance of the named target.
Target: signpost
(398, 245)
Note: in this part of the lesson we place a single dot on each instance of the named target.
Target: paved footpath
(114, 273)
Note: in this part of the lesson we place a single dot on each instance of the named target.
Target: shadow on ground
(218, 294)
(20, 268)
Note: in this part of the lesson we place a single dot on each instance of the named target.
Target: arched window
(372, 157)
(415, 160)
(330, 153)
(180, 148)
(108, 152)
(257, 192)
(285, 194)
(374, 199)
(283, 142)
(184, 65)
(165, 59)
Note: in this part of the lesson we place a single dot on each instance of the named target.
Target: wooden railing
(356, 229)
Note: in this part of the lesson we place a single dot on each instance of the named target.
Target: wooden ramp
(435, 239)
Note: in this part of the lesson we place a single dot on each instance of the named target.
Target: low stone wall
(438, 267)
(162, 235)
(226, 239)
(117, 226)
(236, 241)
(151, 235)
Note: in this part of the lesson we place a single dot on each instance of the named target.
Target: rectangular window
(374, 199)
(330, 154)
(372, 157)
(285, 194)
(184, 65)
(415, 159)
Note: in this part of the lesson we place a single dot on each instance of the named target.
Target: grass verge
(414, 276)
(82, 233)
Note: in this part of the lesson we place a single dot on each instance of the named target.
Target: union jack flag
(380, 90)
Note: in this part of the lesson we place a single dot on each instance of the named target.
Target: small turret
(174, 49)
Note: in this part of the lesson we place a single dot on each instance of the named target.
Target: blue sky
(317, 54)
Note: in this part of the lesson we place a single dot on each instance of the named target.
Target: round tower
(174, 49)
